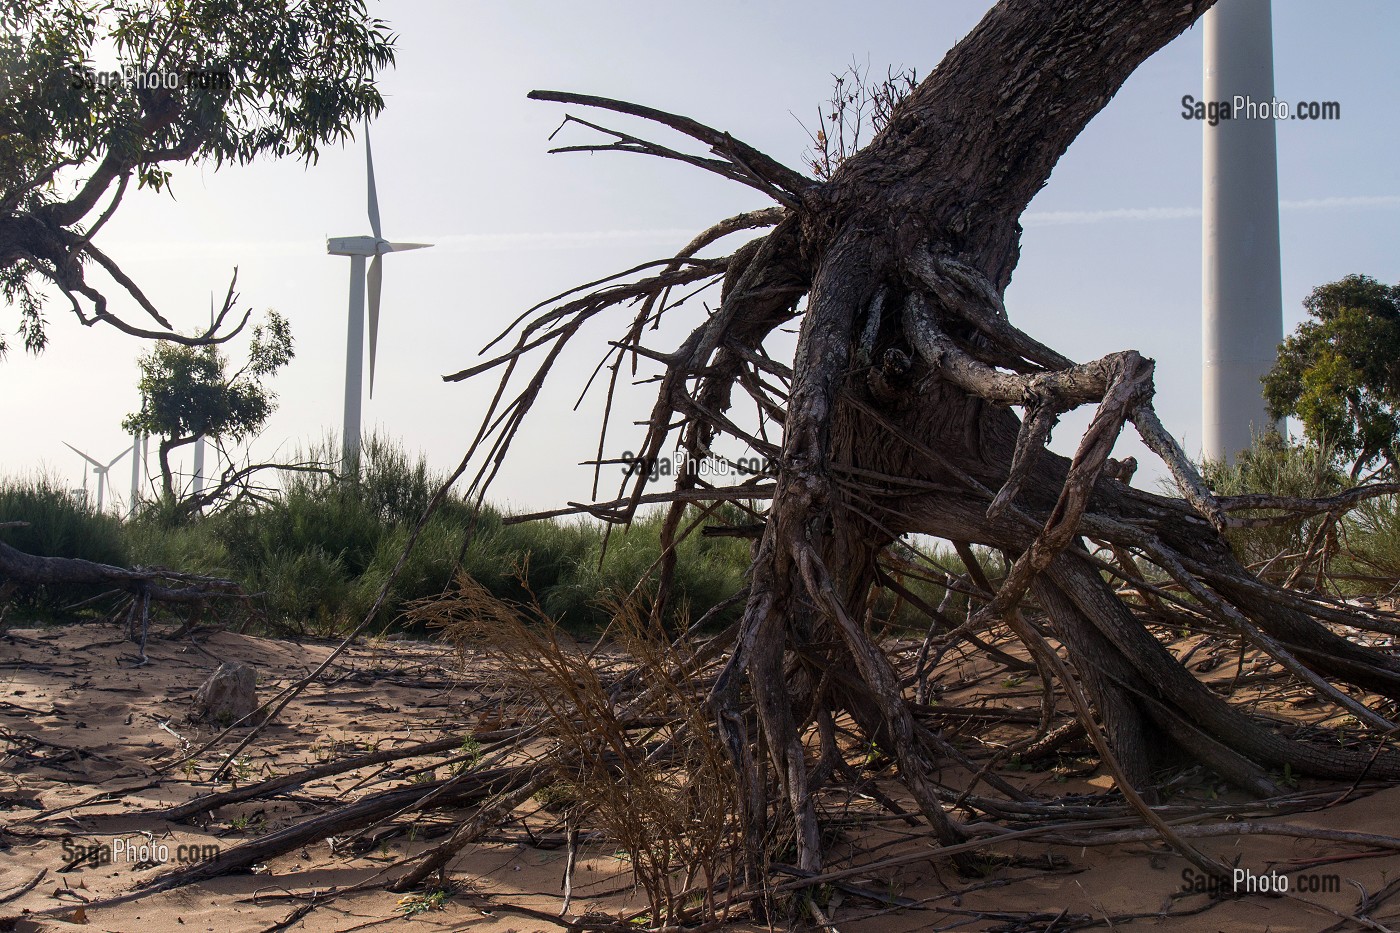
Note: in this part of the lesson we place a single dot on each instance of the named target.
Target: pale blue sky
(1110, 258)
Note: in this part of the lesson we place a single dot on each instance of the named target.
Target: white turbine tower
(199, 441)
(358, 248)
(99, 468)
(199, 464)
(1241, 291)
(138, 458)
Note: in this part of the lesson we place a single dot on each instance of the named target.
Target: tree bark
(896, 417)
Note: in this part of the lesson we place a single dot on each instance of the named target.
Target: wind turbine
(99, 468)
(1241, 290)
(358, 248)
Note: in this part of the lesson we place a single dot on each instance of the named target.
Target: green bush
(395, 486)
(1371, 536)
(1273, 466)
(427, 572)
(708, 570)
(303, 590)
(1364, 544)
(522, 563)
(190, 546)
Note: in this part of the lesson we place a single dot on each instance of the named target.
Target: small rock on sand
(227, 696)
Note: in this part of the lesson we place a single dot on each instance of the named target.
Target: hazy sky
(1110, 256)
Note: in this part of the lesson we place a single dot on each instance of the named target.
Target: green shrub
(304, 590)
(427, 572)
(1273, 466)
(1371, 538)
(521, 563)
(395, 486)
(314, 554)
(190, 546)
(708, 571)
(60, 525)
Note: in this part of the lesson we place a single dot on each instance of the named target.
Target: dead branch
(166, 586)
(277, 785)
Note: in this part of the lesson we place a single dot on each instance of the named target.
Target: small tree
(1339, 373)
(187, 391)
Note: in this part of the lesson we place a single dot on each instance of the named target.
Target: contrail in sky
(1061, 218)
(584, 239)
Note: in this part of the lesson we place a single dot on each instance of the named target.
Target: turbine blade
(375, 277)
(81, 454)
(125, 451)
(373, 195)
(402, 247)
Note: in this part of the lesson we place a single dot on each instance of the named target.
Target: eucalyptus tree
(189, 392)
(1339, 372)
(196, 81)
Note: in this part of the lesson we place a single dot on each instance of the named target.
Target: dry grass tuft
(634, 747)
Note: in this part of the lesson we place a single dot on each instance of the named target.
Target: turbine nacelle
(367, 246)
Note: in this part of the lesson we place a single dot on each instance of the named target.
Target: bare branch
(1299, 508)
(722, 144)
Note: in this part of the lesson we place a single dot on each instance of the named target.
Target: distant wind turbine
(358, 248)
(99, 468)
(199, 441)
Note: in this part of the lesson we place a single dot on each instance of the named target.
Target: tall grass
(315, 554)
(57, 525)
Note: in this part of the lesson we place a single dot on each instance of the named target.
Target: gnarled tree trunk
(899, 415)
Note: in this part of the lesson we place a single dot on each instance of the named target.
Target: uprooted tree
(898, 415)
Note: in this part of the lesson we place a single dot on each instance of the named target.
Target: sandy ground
(78, 719)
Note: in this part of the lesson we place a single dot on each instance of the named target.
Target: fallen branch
(166, 586)
(288, 781)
